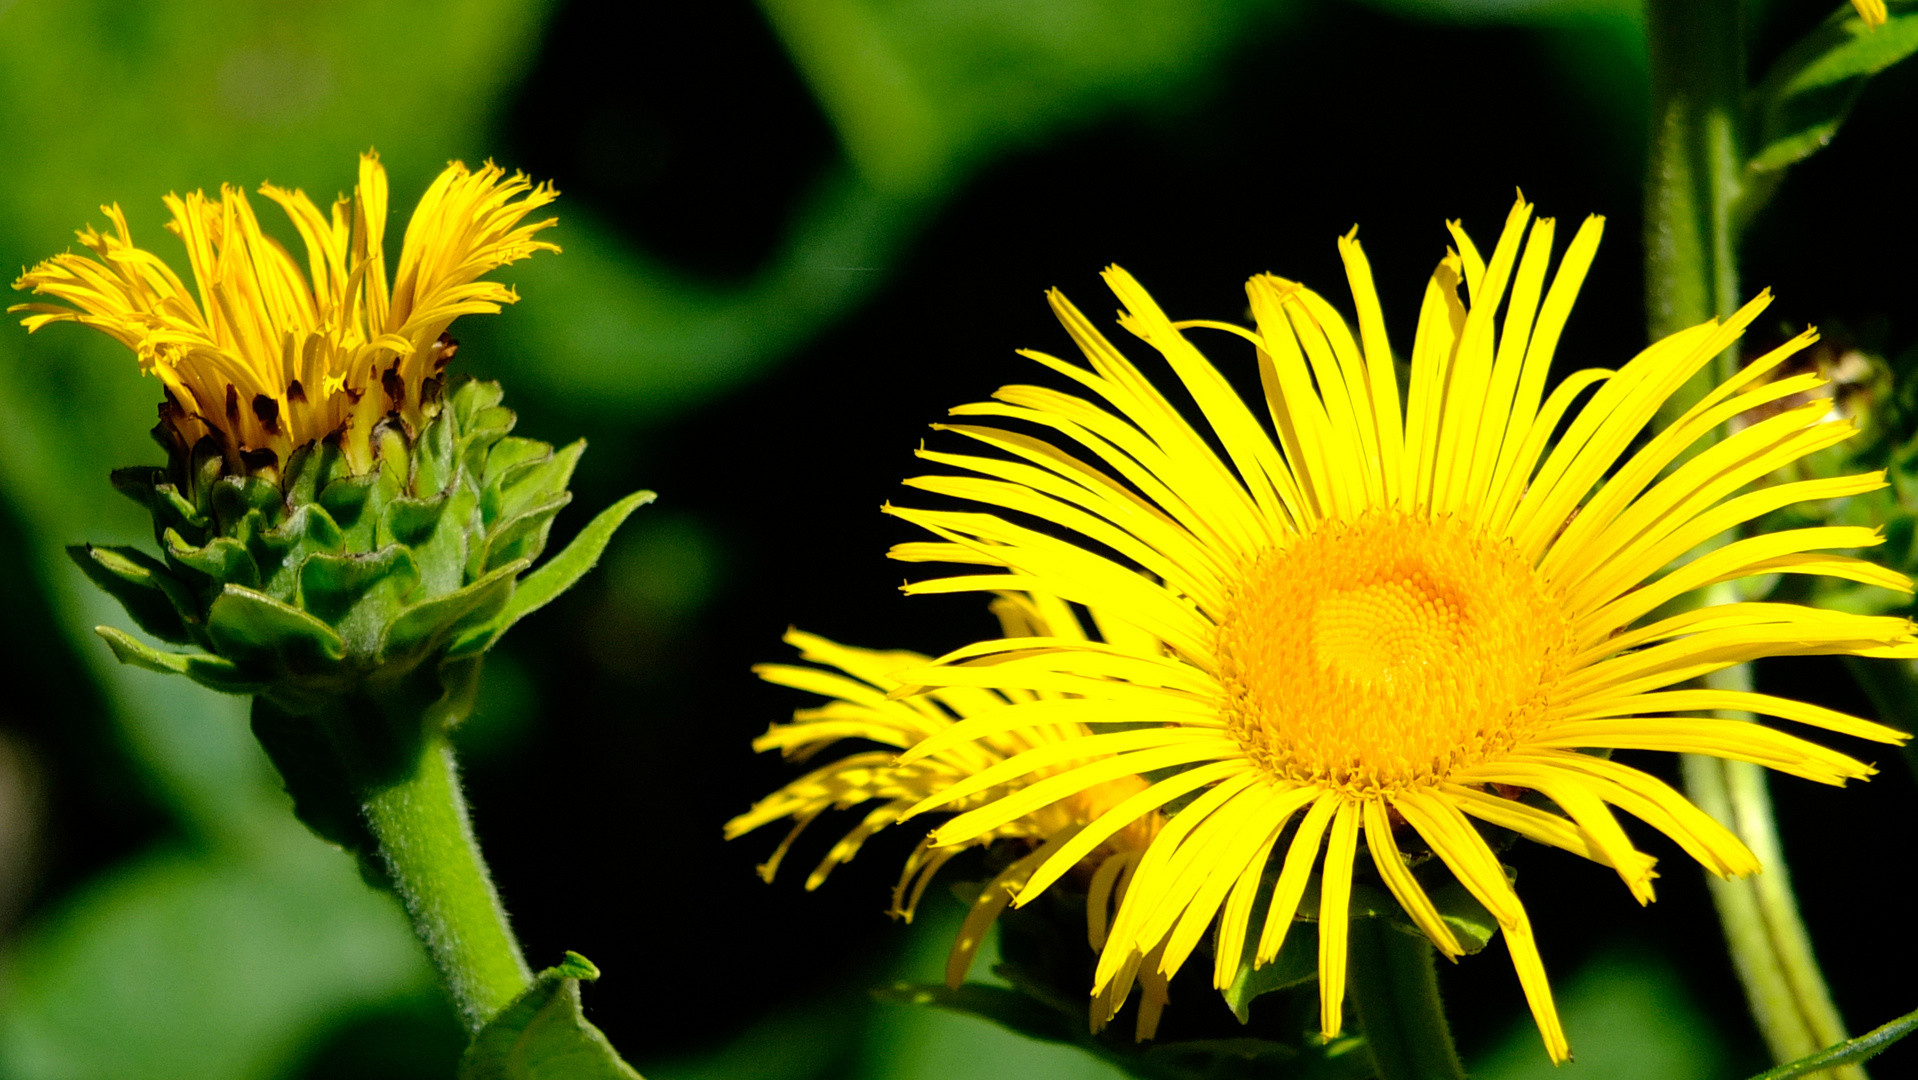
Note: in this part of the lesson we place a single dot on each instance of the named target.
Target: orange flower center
(1387, 652)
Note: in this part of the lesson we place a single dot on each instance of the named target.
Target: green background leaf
(545, 1036)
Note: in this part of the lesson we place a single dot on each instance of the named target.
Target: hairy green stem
(1770, 947)
(426, 844)
(1691, 275)
(1693, 173)
(1395, 991)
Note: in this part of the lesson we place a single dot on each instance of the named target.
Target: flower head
(866, 702)
(1872, 11)
(1383, 620)
(265, 356)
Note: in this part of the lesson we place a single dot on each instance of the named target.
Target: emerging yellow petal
(1331, 618)
(1872, 11)
(265, 356)
(1097, 832)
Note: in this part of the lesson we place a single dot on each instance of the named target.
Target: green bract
(355, 607)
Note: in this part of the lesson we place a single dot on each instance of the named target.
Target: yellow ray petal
(1256, 835)
(1335, 898)
(1149, 882)
(1380, 368)
(1293, 876)
(1461, 847)
(1546, 828)
(1405, 888)
(990, 902)
(1123, 815)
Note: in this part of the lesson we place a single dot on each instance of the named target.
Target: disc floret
(1387, 652)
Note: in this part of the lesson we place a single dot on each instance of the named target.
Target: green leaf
(424, 627)
(223, 559)
(1001, 1005)
(524, 537)
(138, 482)
(411, 521)
(218, 964)
(157, 602)
(281, 551)
(443, 554)
(563, 571)
(512, 454)
(482, 422)
(256, 631)
(1297, 962)
(433, 458)
(173, 510)
(474, 395)
(234, 497)
(212, 672)
(514, 486)
(1470, 922)
(1851, 1051)
(345, 499)
(359, 594)
(1216, 1059)
(1801, 103)
(544, 1036)
(314, 777)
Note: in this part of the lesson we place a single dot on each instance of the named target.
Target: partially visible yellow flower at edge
(868, 703)
(1872, 11)
(266, 358)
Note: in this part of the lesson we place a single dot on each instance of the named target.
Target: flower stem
(1693, 174)
(426, 844)
(1692, 189)
(1395, 991)
(1770, 947)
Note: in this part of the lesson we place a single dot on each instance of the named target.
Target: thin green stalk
(1691, 274)
(1769, 945)
(1694, 175)
(426, 844)
(1870, 1044)
(1395, 991)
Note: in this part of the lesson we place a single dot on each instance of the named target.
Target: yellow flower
(868, 703)
(266, 358)
(1872, 11)
(1388, 620)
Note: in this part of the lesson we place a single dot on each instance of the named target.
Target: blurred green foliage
(1629, 1016)
(918, 93)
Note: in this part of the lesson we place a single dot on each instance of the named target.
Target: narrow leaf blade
(142, 585)
(209, 671)
(563, 570)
